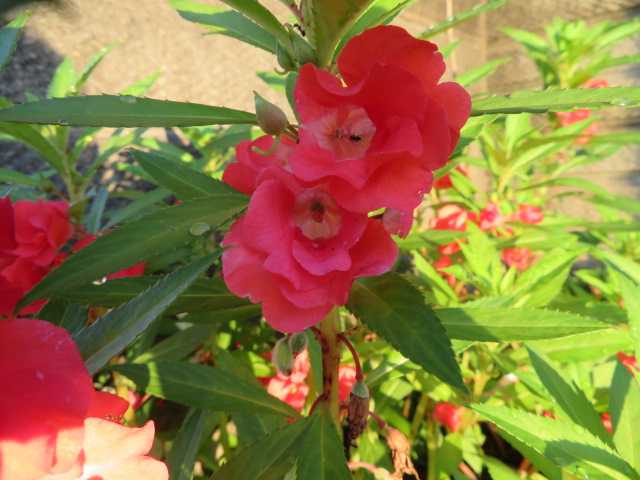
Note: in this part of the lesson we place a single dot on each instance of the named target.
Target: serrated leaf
(30, 136)
(462, 17)
(204, 295)
(630, 292)
(184, 449)
(9, 36)
(226, 22)
(568, 446)
(253, 10)
(557, 100)
(110, 334)
(122, 111)
(568, 397)
(185, 182)
(203, 387)
(140, 205)
(491, 324)
(624, 406)
(396, 311)
(153, 234)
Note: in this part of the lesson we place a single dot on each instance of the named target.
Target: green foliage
(9, 36)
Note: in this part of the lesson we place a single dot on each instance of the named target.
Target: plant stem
(330, 365)
(432, 449)
(418, 417)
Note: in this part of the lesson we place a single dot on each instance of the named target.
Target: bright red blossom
(50, 413)
(377, 150)
(520, 258)
(528, 214)
(448, 415)
(629, 362)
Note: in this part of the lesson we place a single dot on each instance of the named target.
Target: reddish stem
(354, 354)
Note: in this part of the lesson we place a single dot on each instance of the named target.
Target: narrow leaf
(122, 111)
(9, 36)
(185, 446)
(462, 17)
(624, 406)
(109, 335)
(203, 387)
(396, 311)
(153, 234)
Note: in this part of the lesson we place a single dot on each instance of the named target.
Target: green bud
(284, 59)
(282, 357)
(303, 52)
(298, 342)
(271, 118)
(199, 228)
(360, 390)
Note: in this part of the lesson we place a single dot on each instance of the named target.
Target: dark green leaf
(122, 111)
(177, 346)
(185, 182)
(186, 444)
(203, 387)
(262, 16)
(153, 234)
(396, 311)
(31, 136)
(109, 335)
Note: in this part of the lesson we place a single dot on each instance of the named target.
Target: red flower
(448, 415)
(49, 413)
(7, 233)
(443, 262)
(376, 149)
(445, 182)
(490, 218)
(580, 114)
(297, 251)
(528, 214)
(629, 362)
(520, 258)
(605, 418)
(451, 217)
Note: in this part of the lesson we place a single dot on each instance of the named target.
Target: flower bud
(284, 59)
(297, 343)
(271, 118)
(303, 52)
(358, 411)
(282, 357)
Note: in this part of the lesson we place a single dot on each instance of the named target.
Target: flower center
(346, 131)
(317, 215)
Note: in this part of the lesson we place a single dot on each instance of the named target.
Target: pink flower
(451, 217)
(448, 415)
(440, 264)
(50, 415)
(377, 149)
(297, 251)
(580, 114)
(605, 418)
(528, 214)
(346, 381)
(520, 258)
(490, 218)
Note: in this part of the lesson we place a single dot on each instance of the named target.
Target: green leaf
(225, 22)
(624, 406)
(138, 240)
(185, 182)
(320, 454)
(109, 335)
(186, 444)
(620, 263)
(177, 346)
(462, 17)
(442, 291)
(311, 444)
(30, 136)
(569, 446)
(9, 36)
(142, 86)
(569, 397)
(631, 296)
(142, 204)
(263, 17)
(557, 100)
(204, 295)
(511, 324)
(203, 387)
(17, 178)
(63, 81)
(94, 219)
(499, 471)
(93, 63)
(474, 75)
(331, 19)
(122, 111)
(396, 311)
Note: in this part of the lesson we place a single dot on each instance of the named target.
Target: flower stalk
(330, 365)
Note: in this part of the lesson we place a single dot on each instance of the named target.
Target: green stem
(432, 449)
(331, 365)
(418, 417)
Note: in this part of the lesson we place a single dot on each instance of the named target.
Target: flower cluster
(53, 424)
(368, 140)
(491, 220)
(293, 389)
(32, 236)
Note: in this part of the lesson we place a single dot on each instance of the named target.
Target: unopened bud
(360, 389)
(303, 52)
(271, 118)
(297, 343)
(282, 357)
(284, 59)
(358, 411)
